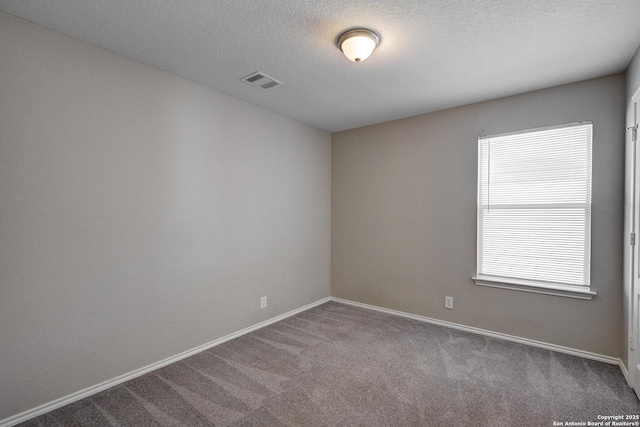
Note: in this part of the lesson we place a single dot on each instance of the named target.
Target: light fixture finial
(357, 44)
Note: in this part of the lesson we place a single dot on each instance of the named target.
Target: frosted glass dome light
(358, 44)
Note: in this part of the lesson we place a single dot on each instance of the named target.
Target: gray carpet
(338, 365)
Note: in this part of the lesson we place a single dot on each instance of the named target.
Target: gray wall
(404, 217)
(633, 83)
(141, 215)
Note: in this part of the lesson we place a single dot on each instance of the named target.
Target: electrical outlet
(448, 302)
(263, 302)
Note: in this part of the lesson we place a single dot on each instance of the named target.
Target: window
(534, 210)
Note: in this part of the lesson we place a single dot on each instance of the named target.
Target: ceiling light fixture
(358, 44)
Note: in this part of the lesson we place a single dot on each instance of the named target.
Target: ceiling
(434, 54)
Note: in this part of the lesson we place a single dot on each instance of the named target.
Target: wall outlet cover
(448, 302)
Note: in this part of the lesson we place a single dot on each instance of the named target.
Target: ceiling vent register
(261, 80)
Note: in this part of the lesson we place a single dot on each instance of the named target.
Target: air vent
(261, 80)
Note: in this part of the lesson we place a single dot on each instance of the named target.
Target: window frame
(527, 285)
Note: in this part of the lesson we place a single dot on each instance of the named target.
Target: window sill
(535, 287)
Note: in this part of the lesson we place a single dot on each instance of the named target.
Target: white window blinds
(534, 206)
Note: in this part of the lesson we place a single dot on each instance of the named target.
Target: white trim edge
(534, 287)
(625, 372)
(636, 96)
(55, 404)
(492, 334)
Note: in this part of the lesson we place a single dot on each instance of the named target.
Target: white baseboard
(625, 372)
(47, 407)
(492, 334)
(55, 404)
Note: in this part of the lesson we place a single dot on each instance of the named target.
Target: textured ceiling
(434, 54)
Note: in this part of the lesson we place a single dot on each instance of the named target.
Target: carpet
(339, 365)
